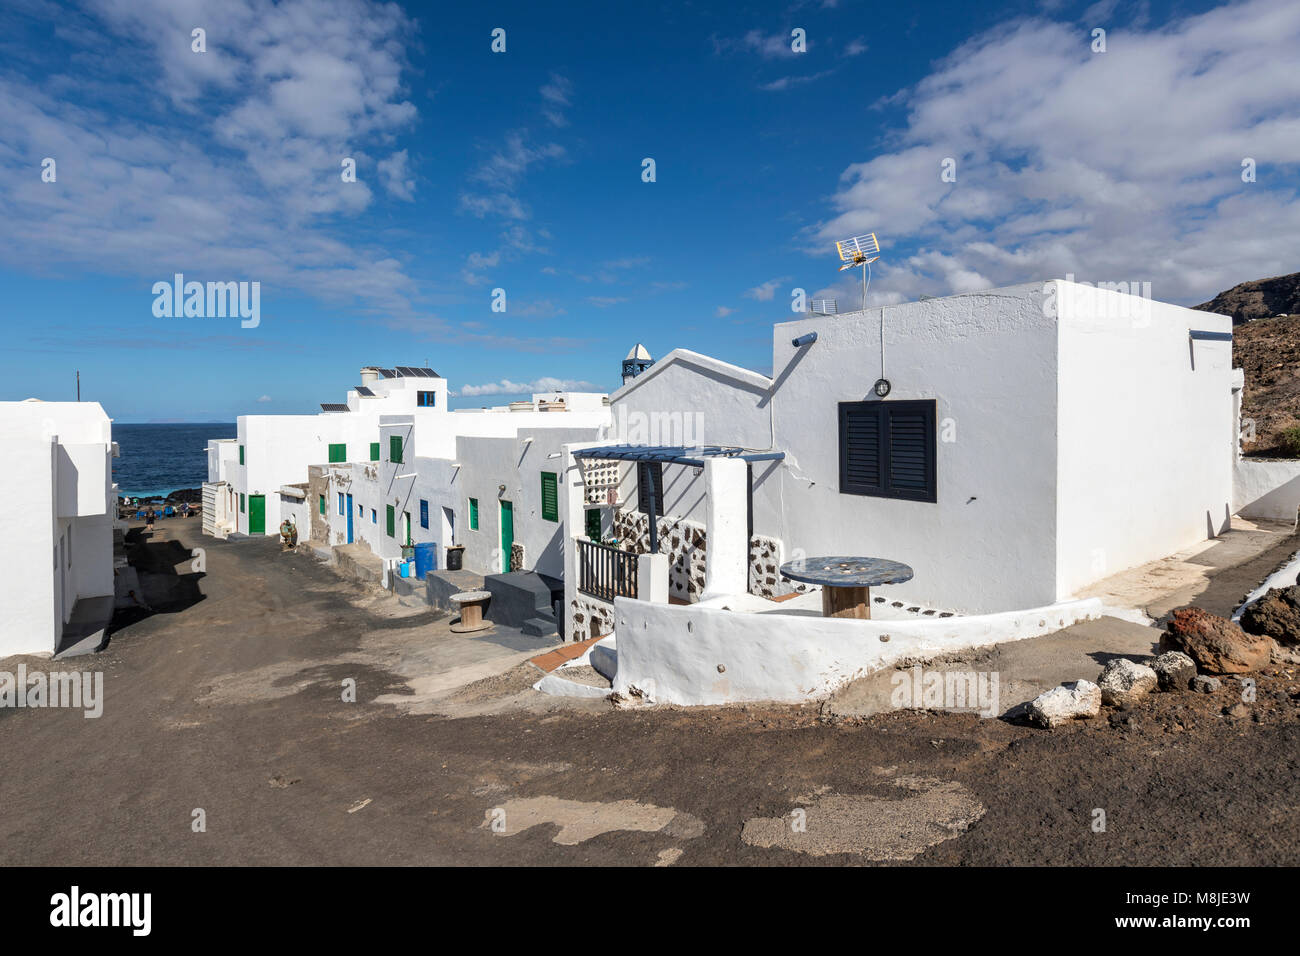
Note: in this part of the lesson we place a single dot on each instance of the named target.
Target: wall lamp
(803, 340)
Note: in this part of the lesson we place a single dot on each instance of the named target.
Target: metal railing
(606, 572)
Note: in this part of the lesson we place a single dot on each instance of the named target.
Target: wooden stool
(471, 611)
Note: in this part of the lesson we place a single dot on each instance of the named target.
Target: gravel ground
(230, 704)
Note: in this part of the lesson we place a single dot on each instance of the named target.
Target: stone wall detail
(591, 618)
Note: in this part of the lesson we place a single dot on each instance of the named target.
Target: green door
(507, 533)
(593, 524)
(257, 514)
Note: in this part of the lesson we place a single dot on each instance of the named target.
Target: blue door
(349, 519)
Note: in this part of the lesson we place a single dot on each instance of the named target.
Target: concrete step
(539, 627)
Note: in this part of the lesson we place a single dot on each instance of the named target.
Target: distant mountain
(1261, 299)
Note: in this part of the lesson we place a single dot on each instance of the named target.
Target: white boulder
(1123, 682)
(1069, 701)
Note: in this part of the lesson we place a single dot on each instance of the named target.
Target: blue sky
(522, 170)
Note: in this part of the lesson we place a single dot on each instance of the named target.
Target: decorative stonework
(686, 544)
(516, 556)
(765, 568)
(683, 541)
(591, 618)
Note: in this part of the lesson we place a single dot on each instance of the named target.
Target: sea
(160, 459)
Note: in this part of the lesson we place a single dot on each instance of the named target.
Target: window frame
(886, 410)
(340, 456)
(374, 451)
(554, 514)
(395, 449)
(473, 514)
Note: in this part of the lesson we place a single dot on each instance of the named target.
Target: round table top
(467, 597)
(847, 572)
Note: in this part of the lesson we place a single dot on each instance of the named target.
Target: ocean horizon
(161, 457)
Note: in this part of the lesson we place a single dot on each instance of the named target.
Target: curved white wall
(674, 651)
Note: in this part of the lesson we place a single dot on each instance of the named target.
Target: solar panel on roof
(362, 390)
(430, 373)
(387, 372)
(333, 407)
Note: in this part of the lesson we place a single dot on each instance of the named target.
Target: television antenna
(859, 251)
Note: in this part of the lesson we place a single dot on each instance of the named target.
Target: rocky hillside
(1267, 349)
(1261, 299)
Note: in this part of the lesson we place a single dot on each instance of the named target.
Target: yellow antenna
(858, 251)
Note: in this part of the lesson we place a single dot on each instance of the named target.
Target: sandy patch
(579, 821)
(874, 827)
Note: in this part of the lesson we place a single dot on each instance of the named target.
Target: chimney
(369, 375)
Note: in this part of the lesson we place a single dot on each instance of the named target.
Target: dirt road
(226, 708)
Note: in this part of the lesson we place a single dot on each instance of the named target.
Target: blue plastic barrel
(426, 558)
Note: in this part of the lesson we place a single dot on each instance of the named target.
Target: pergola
(693, 456)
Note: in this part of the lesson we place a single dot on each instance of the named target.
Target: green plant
(1290, 440)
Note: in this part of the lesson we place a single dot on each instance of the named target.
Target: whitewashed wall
(989, 360)
(692, 654)
(1147, 434)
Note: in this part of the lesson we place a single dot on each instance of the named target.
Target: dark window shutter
(650, 479)
(550, 497)
(861, 470)
(887, 449)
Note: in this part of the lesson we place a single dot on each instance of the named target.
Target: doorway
(349, 519)
(507, 534)
(257, 514)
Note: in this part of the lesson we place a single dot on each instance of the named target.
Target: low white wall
(1266, 489)
(674, 652)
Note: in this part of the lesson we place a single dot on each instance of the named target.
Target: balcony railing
(606, 572)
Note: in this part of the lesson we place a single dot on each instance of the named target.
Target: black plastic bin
(455, 553)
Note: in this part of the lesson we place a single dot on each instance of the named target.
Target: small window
(241, 502)
(391, 516)
(241, 454)
(361, 511)
(374, 451)
(395, 449)
(322, 504)
(473, 514)
(426, 399)
(338, 452)
(550, 497)
(424, 513)
(650, 479)
(342, 504)
(374, 516)
(887, 450)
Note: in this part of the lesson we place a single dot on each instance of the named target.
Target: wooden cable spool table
(471, 605)
(846, 582)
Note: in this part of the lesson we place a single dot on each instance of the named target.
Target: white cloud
(766, 291)
(723, 311)
(227, 162)
(265, 398)
(556, 94)
(1110, 166)
(507, 387)
(395, 174)
(604, 301)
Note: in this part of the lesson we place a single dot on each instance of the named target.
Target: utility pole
(78, 384)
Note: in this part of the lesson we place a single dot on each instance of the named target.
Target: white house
(392, 465)
(56, 571)
(1011, 446)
